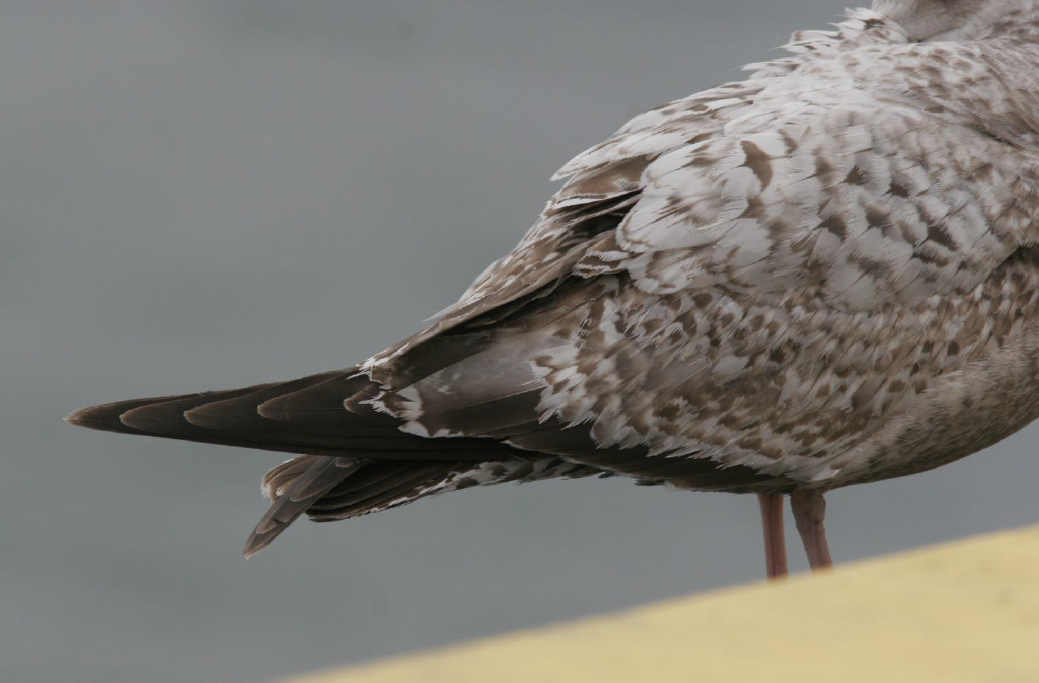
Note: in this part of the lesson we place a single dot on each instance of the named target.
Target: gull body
(823, 275)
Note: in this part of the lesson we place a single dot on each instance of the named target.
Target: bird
(822, 275)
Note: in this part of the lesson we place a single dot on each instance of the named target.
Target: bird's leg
(809, 509)
(772, 526)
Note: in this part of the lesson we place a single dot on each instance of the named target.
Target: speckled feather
(822, 275)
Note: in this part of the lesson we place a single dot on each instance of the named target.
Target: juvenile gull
(824, 275)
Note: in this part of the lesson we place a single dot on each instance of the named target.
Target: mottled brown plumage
(824, 275)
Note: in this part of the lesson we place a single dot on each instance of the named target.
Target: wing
(758, 276)
(810, 163)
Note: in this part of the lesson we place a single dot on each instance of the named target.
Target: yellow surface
(965, 612)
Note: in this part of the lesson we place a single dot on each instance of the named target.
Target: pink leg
(809, 509)
(772, 526)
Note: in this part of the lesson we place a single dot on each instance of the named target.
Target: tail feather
(277, 480)
(318, 479)
(328, 489)
(403, 486)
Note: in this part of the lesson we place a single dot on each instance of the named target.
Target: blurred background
(208, 194)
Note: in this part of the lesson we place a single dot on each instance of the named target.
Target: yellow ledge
(964, 612)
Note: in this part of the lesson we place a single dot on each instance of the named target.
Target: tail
(327, 489)
(354, 460)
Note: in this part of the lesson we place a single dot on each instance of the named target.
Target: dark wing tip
(82, 418)
(108, 416)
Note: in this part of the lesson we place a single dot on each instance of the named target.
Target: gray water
(202, 195)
